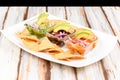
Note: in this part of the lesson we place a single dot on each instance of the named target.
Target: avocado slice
(62, 26)
(84, 33)
(42, 18)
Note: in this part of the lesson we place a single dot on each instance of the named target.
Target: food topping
(50, 36)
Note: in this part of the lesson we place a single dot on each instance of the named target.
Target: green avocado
(83, 34)
(42, 18)
(62, 26)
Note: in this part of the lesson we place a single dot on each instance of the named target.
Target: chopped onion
(83, 43)
(35, 26)
(60, 34)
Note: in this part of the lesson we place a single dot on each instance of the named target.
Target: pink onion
(61, 34)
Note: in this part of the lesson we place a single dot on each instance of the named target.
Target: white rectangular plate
(105, 44)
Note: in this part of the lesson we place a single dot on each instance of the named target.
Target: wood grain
(17, 64)
(88, 72)
(110, 64)
(3, 12)
(113, 16)
(32, 67)
(10, 53)
(60, 72)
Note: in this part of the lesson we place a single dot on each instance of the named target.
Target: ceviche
(51, 35)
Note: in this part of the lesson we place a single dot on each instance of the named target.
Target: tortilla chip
(31, 38)
(26, 35)
(24, 32)
(31, 45)
(56, 21)
(47, 46)
(68, 55)
(55, 50)
(29, 41)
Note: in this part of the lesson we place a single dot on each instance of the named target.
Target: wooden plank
(33, 68)
(16, 12)
(60, 72)
(113, 16)
(3, 12)
(96, 22)
(10, 53)
(77, 15)
(110, 63)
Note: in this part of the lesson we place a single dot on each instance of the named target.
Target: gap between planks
(110, 24)
(19, 63)
(75, 70)
(101, 61)
(2, 27)
(43, 70)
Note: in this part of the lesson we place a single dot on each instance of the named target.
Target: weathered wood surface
(31, 67)
(110, 62)
(86, 73)
(10, 53)
(17, 64)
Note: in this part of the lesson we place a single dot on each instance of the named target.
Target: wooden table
(17, 64)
